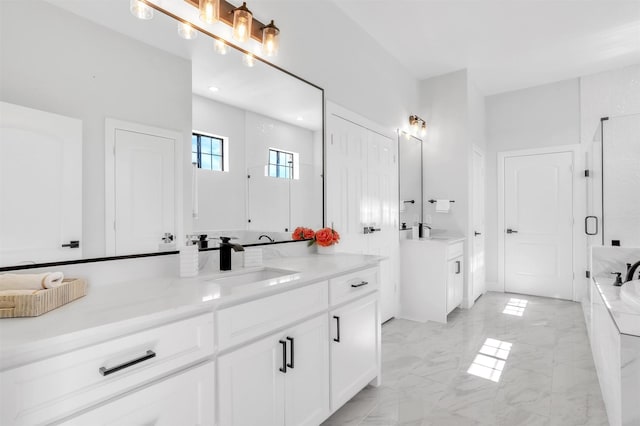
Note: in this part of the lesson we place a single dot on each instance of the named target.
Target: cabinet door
(251, 385)
(455, 283)
(307, 379)
(184, 399)
(354, 353)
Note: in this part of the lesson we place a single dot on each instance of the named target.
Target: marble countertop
(443, 239)
(626, 318)
(119, 308)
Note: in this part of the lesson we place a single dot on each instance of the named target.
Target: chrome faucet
(225, 253)
(271, 240)
(631, 269)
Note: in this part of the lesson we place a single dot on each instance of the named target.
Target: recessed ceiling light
(213, 89)
(299, 118)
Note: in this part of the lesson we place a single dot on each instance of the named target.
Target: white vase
(326, 250)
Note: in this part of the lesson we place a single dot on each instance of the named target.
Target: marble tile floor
(511, 360)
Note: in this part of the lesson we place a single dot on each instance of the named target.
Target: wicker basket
(33, 305)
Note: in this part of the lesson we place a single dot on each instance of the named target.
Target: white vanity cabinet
(355, 341)
(282, 379)
(431, 278)
(183, 399)
(59, 386)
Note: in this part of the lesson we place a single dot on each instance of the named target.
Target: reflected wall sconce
(140, 10)
(186, 31)
(244, 25)
(417, 125)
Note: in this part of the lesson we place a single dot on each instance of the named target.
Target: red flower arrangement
(324, 237)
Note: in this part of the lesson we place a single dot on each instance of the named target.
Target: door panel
(144, 191)
(40, 185)
(251, 386)
(307, 383)
(539, 211)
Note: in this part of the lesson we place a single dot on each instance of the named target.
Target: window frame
(223, 156)
(290, 165)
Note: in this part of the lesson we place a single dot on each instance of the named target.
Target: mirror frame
(173, 252)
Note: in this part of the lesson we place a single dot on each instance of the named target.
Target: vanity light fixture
(186, 31)
(140, 10)
(242, 20)
(209, 11)
(270, 39)
(417, 125)
(220, 47)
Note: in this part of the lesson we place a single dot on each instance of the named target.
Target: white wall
(444, 106)
(221, 195)
(536, 117)
(64, 64)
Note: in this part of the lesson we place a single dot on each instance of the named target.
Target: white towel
(443, 206)
(31, 281)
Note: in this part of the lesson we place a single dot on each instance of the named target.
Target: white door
(478, 284)
(185, 399)
(40, 186)
(307, 379)
(538, 219)
(354, 339)
(362, 192)
(251, 385)
(144, 189)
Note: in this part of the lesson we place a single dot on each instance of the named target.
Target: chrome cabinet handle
(284, 356)
(337, 338)
(360, 284)
(106, 371)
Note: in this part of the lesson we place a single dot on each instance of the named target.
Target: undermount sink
(630, 294)
(256, 275)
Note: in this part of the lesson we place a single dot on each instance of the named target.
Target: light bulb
(209, 11)
(270, 39)
(249, 60)
(186, 31)
(220, 47)
(140, 10)
(242, 20)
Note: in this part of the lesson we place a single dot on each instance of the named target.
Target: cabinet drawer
(353, 285)
(455, 250)
(57, 387)
(183, 399)
(241, 323)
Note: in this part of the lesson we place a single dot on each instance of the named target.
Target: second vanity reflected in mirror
(410, 166)
(145, 105)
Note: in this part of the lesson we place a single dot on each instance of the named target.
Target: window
(281, 164)
(207, 152)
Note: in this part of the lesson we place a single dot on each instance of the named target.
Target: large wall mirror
(116, 131)
(410, 166)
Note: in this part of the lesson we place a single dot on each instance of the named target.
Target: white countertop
(626, 318)
(114, 309)
(439, 239)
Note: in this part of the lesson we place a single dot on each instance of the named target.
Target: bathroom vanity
(615, 343)
(287, 343)
(432, 276)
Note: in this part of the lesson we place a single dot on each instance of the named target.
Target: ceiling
(505, 45)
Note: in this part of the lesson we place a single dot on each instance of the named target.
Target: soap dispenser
(189, 259)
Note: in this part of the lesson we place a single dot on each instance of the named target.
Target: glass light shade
(423, 129)
(140, 10)
(270, 39)
(249, 60)
(209, 11)
(186, 31)
(414, 125)
(220, 47)
(242, 20)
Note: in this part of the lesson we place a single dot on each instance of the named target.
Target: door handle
(337, 338)
(290, 364)
(72, 244)
(106, 371)
(284, 356)
(511, 231)
(586, 225)
(371, 229)
(476, 233)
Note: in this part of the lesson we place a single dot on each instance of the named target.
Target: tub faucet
(267, 237)
(631, 269)
(225, 253)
